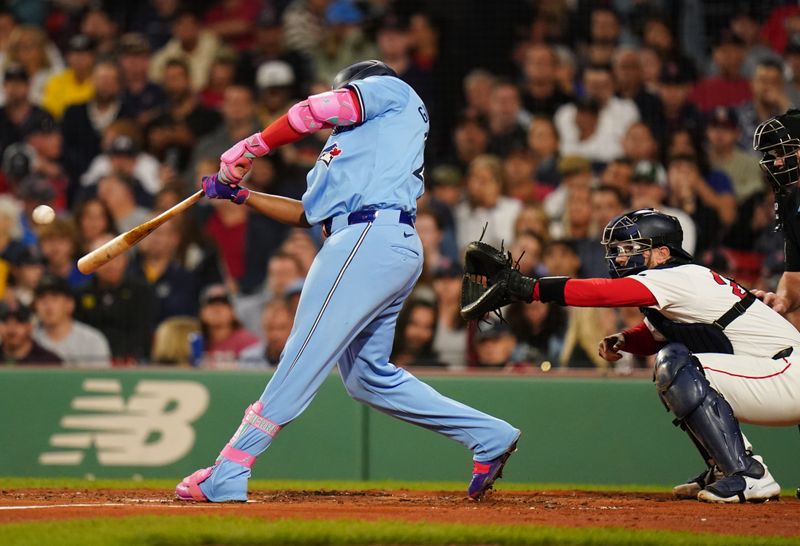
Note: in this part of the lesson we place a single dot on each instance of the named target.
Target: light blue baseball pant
(347, 315)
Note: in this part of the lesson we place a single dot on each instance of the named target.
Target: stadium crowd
(548, 119)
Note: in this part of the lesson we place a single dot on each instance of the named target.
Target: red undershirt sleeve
(607, 293)
(280, 132)
(639, 340)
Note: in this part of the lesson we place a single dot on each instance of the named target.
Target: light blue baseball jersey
(376, 164)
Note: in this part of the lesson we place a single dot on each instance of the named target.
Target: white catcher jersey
(695, 294)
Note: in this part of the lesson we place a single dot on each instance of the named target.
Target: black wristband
(551, 289)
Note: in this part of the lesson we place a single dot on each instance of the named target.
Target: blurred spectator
(221, 74)
(18, 114)
(18, 346)
(614, 116)
(674, 86)
(539, 329)
(607, 203)
(268, 45)
(142, 97)
(629, 80)
(769, 99)
(171, 137)
(97, 24)
(93, 220)
(533, 218)
(301, 246)
(122, 155)
(508, 122)
(414, 336)
(618, 174)
(470, 139)
(153, 18)
(45, 141)
(304, 25)
(649, 190)
(11, 249)
(394, 48)
(486, 203)
(652, 65)
(519, 167)
(541, 92)
(494, 345)
(74, 84)
(171, 340)
(224, 336)
(728, 87)
(275, 83)
(429, 229)
(27, 270)
(120, 306)
(657, 35)
(478, 85)
(77, 344)
(713, 209)
(232, 21)
(174, 287)
(238, 121)
(29, 47)
(283, 270)
(544, 145)
(722, 131)
(450, 338)
(84, 123)
(343, 42)
(747, 27)
(191, 44)
(526, 251)
(639, 143)
(118, 193)
(576, 172)
(792, 57)
(32, 191)
(276, 323)
(59, 243)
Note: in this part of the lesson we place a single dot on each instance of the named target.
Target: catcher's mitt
(491, 280)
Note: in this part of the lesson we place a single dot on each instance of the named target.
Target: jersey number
(737, 290)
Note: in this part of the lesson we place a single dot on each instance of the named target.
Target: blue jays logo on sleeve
(329, 153)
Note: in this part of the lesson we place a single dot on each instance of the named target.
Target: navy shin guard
(705, 414)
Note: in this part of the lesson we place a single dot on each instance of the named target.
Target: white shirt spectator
(605, 144)
(84, 346)
(147, 170)
(470, 221)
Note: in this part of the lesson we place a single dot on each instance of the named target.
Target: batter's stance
(363, 190)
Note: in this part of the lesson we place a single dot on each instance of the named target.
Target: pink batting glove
(237, 160)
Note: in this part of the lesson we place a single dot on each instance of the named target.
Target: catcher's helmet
(359, 71)
(632, 233)
(778, 138)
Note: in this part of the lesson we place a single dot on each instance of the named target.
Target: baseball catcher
(722, 356)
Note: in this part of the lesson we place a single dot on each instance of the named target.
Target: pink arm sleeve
(332, 108)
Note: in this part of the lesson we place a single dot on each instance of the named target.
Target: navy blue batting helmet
(359, 71)
(631, 233)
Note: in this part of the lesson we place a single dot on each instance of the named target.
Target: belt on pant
(335, 223)
(783, 354)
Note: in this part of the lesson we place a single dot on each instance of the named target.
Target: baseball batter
(722, 356)
(363, 190)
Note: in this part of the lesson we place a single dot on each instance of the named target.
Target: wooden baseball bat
(119, 244)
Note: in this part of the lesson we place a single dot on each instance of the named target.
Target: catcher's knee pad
(708, 417)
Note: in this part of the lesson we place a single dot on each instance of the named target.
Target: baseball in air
(43, 214)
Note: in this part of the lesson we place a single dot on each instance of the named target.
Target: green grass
(82, 483)
(214, 530)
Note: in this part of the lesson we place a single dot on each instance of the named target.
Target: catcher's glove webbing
(491, 281)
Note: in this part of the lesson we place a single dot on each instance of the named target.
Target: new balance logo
(153, 427)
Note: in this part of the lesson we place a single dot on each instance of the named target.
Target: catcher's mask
(629, 235)
(773, 138)
(359, 71)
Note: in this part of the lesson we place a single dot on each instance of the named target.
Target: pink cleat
(189, 488)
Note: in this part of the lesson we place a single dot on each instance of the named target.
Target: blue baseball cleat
(484, 474)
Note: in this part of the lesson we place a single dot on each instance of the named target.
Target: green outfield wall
(167, 423)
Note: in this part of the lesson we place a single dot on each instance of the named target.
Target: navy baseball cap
(18, 312)
(723, 116)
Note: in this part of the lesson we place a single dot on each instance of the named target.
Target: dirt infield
(558, 508)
